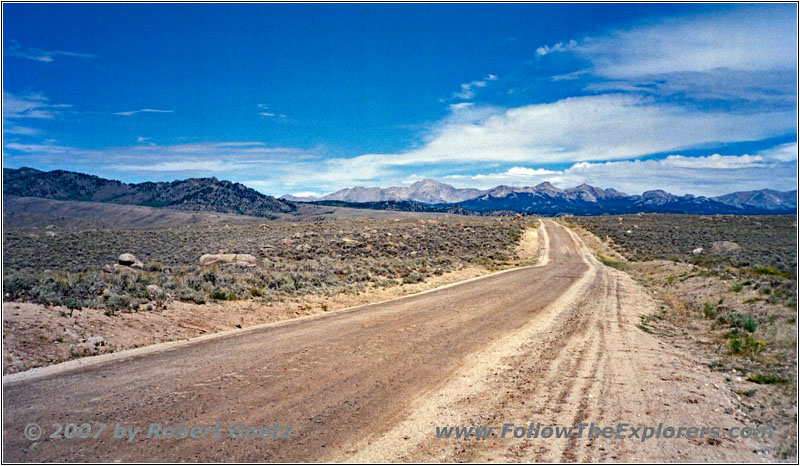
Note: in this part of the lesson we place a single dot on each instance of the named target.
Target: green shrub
(736, 287)
(223, 295)
(72, 303)
(619, 265)
(413, 277)
(766, 379)
(768, 271)
(191, 296)
(18, 286)
(709, 312)
(748, 322)
(738, 320)
(746, 345)
(117, 302)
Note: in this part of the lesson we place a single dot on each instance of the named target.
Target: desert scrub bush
(413, 277)
(117, 302)
(294, 258)
(767, 379)
(766, 241)
(223, 295)
(761, 270)
(18, 286)
(744, 321)
(745, 345)
(709, 311)
(192, 296)
(736, 287)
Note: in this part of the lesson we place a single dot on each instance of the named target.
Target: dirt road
(556, 344)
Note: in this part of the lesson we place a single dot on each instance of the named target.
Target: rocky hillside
(194, 194)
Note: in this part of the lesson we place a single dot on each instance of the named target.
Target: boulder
(154, 290)
(247, 260)
(697, 251)
(721, 247)
(125, 268)
(94, 342)
(130, 260)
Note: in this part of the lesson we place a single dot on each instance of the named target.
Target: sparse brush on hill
(196, 194)
(755, 252)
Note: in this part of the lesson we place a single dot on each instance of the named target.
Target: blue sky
(312, 98)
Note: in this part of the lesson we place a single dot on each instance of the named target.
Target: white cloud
(144, 110)
(589, 128)
(513, 175)
(231, 160)
(206, 166)
(9, 128)
(263, 112)
(783, 153)
(30, 105)
(710, 175)
(44, 56)
(746, 38)
(461, 106)
(557, 47)
(37, 148)
(468, 89)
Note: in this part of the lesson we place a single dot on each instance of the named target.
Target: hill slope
(195, 194)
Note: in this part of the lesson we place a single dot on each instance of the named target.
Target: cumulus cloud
(711, 175)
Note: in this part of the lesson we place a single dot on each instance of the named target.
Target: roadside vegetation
(65, 267)
(728, 288)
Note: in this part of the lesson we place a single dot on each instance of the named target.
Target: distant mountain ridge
(213, 195)
(547, 199)
(426, 191)
(193, 194)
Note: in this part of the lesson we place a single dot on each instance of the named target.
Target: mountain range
(195, 194)
(426, 191)
(213, 195)
(547, 199)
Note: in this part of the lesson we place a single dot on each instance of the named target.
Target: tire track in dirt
(584, 361)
